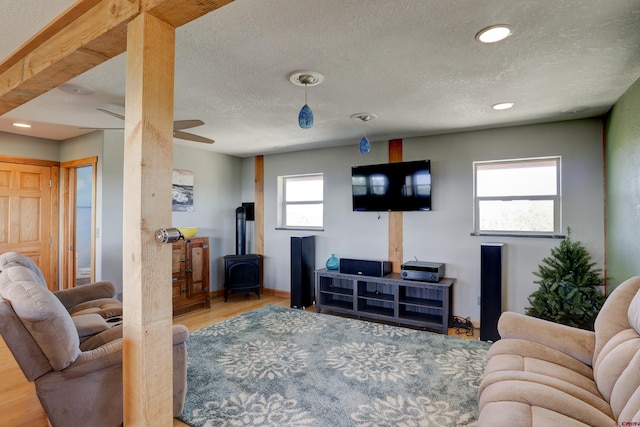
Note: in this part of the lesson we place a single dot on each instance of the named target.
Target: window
(301, 202)
(517, 196)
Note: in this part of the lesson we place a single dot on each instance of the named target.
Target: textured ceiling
(414, 63)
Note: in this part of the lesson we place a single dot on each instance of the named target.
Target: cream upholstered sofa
(78, 384)
(546, 374)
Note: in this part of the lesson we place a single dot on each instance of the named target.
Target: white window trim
(281, 219)
(557, 199)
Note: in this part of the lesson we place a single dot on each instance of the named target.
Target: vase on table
(333, 263)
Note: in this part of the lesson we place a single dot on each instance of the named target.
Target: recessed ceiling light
(76, 89)
(502, 106)
(493, 34)
(22, 125)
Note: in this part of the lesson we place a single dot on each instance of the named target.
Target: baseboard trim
(265, 291)
(276, 293)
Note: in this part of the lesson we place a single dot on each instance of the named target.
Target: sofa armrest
(74, 296)
(89, 362)
(180, 334)
(575, 342)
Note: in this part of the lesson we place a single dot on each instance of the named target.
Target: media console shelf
(389, 298)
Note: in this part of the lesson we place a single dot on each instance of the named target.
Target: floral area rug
(283, 367)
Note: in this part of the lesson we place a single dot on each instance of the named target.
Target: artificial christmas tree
(568, 292)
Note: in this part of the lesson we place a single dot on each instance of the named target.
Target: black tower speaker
(303, 265)
(490, 290)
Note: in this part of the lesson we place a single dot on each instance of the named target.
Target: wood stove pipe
(241, 231)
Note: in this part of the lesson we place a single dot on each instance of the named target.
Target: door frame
(68, 172)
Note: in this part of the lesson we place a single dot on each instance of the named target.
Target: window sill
(535, 236)
(301, 228)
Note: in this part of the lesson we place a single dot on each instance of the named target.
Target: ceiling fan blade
(111, 113)
(186, 124)
(177, 126)
(102, 128)
(191, 137)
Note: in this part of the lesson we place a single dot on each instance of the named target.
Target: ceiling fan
(178, 126)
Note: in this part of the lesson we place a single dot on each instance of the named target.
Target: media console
(389, 298)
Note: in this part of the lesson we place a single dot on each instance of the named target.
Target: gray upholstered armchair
(78, 384)
(91, 306)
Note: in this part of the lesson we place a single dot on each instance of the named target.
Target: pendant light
(365, 144)
(305, 78)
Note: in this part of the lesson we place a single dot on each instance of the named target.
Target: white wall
(443, 235)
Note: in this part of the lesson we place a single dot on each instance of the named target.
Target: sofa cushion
(616, 369)
(42, 314)
(625, 398)
(88, 325)
(567, 388)
(105, 307)
(520, 393)
(10, 259)
(533, 350)
(614, 315)
(509, 414)
(102, 338)
(506, 365)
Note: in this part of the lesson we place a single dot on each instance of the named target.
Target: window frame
(281, 219)
(556, 199)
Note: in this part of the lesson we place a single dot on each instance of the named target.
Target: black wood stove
(242, 272)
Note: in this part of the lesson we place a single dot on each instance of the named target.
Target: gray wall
(623, 187)
(217, 187)
(217, 193)
(443, 234)
(31, 148)
(110, 187)
(222, 183)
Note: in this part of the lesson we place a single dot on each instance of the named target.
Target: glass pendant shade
(365, 146)
(305, 117)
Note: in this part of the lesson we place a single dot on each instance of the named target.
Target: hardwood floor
(19, 406)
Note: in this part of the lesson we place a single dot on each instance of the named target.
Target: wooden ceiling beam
(180, 12)
(87, 34)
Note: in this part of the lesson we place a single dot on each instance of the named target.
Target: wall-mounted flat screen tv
(403, 186)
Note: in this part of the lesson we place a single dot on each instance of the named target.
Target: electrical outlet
(478, 301)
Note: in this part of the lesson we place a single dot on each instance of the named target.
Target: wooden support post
(148, 161)
(259, 205)
(395, 218)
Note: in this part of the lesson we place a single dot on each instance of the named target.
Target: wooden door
(29, 212)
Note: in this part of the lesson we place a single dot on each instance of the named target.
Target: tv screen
(403, 186)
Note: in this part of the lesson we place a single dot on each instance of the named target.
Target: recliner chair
(77, 384)
(91, 306)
